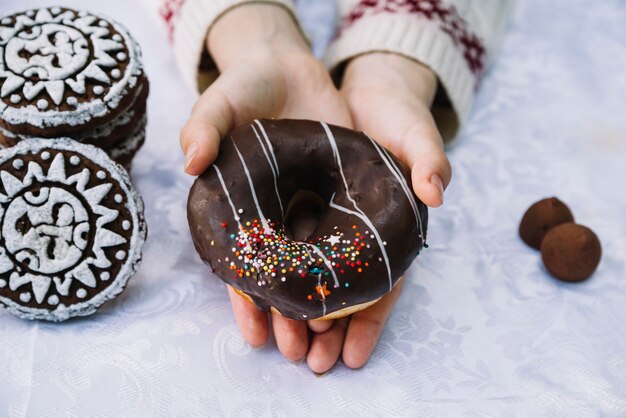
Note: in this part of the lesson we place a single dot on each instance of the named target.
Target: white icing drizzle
(358, 212)
(326, 262)
(319, 283)
(269, 144)
(274, 174)
(266, 226)
(226, 192)
(393, 168)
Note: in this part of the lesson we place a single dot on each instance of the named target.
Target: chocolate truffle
(571, 252)
(540, 218)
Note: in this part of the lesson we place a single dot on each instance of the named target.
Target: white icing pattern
(55, 230)
(273, 165)
(56, 50)
(47, 229)
(266, 226)
(357, 211)
(395, 171)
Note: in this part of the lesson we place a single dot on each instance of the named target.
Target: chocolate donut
(368, 225)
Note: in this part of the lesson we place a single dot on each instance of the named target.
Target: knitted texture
(452, 37)
(187, 23)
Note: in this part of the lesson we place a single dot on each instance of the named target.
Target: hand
(267, 71)
(389, 97)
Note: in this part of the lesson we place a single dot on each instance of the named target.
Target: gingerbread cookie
(71, 229)
(63, 70)
(68, 73)
(123, 151)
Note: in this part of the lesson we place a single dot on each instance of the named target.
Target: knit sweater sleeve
(452, 37)
(187, 23)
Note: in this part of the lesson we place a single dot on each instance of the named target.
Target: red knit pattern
(168, 11)
(446, 16)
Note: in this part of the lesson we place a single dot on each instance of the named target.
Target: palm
(295, 86)
(298, 88)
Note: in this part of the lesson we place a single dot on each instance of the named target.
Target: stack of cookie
(67, 73)
(72, 103)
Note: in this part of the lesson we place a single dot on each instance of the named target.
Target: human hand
(389, 97)
(267, 71)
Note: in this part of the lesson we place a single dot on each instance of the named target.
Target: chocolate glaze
(305, 156)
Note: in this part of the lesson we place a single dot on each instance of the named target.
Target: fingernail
(436, 181)
(190, 154)
(321, 374)
(259, 348)
(296, 362)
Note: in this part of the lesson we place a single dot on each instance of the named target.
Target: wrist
(392, 72)
(253, 28)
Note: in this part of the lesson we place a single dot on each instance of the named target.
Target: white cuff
(420, 39)
(192, 27)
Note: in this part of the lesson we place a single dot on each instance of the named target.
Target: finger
(321, 325)
(326, 347)
(238, 96)
(402, 122)
(430, 169)
(253, 323)
(200, 138)
(412, 137)
(365, 329)
(291, 336)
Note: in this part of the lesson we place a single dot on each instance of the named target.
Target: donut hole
(303, 214)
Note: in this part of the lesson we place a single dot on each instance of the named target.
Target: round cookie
(103, 135)
(571, 252)
(369, 226)
(123, 151)
(540, 217)
(64, 71)
(71, 229)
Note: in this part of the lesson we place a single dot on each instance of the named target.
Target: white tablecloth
(481, 328)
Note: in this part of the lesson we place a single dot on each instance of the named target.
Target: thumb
(422, 149)
(238, 96)
(210, 120)
(405, 126)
